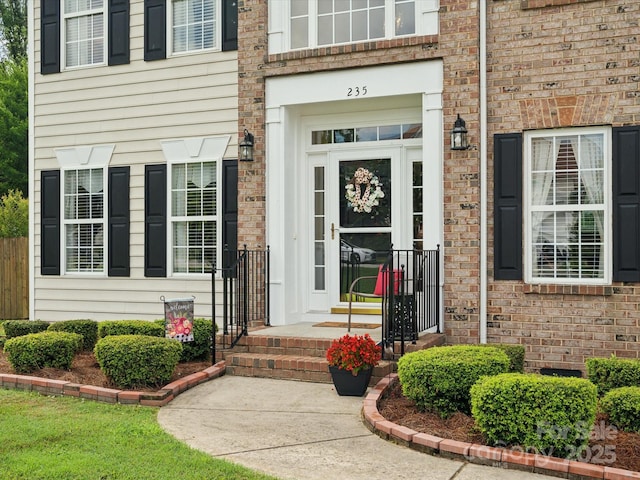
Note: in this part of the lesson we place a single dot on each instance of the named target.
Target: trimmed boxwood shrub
(613, 372)
(129, 327)
(200, 348)
(87, 328)
(553, 415)
(622, 405)
(439, 378)
(18, 328)
(515, 354)
(45, 349)
(132, 361)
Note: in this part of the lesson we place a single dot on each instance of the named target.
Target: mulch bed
(85, 371)
(608, 445)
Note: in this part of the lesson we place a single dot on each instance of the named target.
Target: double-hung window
(568, 196)
(84, 220)
(84, 32)
(194, 217)
(316, 23)
(194, 25)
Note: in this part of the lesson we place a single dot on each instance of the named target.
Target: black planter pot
(348, 384)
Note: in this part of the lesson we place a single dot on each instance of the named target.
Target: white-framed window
(568, 199)
(84, 32)
(317, 23)
(194, 25)
(84, 220)
(194, 216)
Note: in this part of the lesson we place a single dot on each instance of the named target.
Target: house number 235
(357, 91)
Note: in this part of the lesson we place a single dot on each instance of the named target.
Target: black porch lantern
(246, 147)
(459, 139)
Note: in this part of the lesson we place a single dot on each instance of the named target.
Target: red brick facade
(568, 64)
(556, 66)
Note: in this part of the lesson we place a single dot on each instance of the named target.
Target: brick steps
(298, 358)
(290, 367)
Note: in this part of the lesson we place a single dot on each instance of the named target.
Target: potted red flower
(351, 360)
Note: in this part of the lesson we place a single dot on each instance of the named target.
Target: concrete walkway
(302, 431)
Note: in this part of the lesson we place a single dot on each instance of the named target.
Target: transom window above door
(315, 23)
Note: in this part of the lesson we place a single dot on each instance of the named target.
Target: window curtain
(544, 152)
(592, 175)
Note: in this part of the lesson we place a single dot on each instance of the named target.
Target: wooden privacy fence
(14, 278)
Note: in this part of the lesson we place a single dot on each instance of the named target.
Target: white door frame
(287, 100)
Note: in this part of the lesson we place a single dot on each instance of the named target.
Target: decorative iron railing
(411, 303)
(242, 289)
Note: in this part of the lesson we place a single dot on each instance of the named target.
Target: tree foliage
(13, 25)
(14, 215)
(14, 126)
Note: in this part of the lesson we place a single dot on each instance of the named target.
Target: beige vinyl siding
(134, 107)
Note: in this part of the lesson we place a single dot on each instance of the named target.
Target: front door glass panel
(365, 221)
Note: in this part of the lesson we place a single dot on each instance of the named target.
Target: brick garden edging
(160, 398)
(480, 454)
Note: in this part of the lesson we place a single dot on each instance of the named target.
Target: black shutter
(229, 210)
(507, 254)
(49, 36)
(626, 204)
(155, 29)
(118, 32)
(155, 221)
(229, 25)
(118, 222)
(50, 222)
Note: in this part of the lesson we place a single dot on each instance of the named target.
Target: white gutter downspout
(31, 161)
(483, 139)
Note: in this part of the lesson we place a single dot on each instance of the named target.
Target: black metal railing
(411, 303)
(242, 290)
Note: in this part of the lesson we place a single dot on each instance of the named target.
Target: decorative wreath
(363, 191)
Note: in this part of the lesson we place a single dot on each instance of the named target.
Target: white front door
(363, 204)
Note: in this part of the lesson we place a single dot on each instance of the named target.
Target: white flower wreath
(359, 200)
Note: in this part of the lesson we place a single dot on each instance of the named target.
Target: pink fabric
(382, 282)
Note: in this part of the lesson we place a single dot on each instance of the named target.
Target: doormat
(344, 325)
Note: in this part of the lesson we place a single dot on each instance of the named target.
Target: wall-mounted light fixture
(459, 139)
(246, 147)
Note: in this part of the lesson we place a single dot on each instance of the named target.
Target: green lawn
(51, 438)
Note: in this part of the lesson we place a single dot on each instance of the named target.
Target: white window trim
(194, 150)
(65, 222)
(171, 219)
(426, 23)
(78, 158)
(63, 36)
(169, 34)
(608, 207)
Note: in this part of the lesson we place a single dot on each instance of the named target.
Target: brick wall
(560, 66)
(252, 50)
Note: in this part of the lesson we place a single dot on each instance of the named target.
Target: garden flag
(178, 319)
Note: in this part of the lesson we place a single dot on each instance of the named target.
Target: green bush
(133, 361)
(553, 415)
(14, 215)
(129, 327)
(439, 378)
(515, 354)
(45, 349)
(622, 405)
(200, 348)
(610, 373)
(87, 328)
(18, 328)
